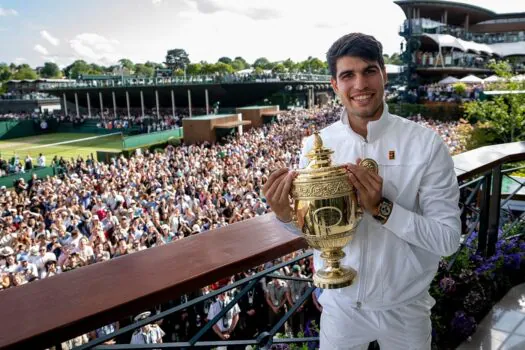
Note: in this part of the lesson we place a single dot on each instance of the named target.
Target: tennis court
(67, 145)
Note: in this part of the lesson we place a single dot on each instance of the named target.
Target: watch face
(384, 209)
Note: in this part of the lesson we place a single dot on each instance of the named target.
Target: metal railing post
(484, 215)
(494, 210)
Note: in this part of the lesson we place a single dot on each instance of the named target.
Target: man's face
(360, 86)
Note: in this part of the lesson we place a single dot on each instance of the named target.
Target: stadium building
(451, 38)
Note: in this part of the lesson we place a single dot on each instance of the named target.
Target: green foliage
(5, 72)
(279, 68)
(394, 59)
(144, 71)
(226, 60)
(25, 73)
(77, 68)
(126, 63)
(501, 119)
(262, 63)
(177, 59)
(460, 88)
(50, 70)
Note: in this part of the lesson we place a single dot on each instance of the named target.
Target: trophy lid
(320, 156)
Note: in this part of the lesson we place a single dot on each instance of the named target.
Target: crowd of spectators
(95, 211)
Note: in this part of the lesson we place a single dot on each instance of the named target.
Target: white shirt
(223, 323)
(41, 161)
(396, 262)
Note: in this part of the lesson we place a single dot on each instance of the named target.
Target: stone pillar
(189, 102)
(207, 101)
(76, 104)
(142, 102)
(114, 104)
(173, 103)
(101, 104)
(157, 103)
(88, 104)
(65, 103)
(127, 103)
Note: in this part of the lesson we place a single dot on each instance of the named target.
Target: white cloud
(95, 48)
(40, 49)
(52, 40)
(156, 2)
(257, 10)
(20, 60)
(8, 12)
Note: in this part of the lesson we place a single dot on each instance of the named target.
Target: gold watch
(384, 209)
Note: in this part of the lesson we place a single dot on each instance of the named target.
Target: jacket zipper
(364, 248)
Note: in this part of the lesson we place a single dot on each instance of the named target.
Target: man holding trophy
(376, 196)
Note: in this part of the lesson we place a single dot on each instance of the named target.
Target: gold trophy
(327, 212)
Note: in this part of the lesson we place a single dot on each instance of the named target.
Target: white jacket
(396, 262)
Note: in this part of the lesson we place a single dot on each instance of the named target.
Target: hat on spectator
(22, 258)
(142, 316)
(296, 268)
(6, 251)
(53, 234)
(33, 250)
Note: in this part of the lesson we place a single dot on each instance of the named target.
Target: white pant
(405, 328)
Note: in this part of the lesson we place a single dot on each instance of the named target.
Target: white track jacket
(396, 262)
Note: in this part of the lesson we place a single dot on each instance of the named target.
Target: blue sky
(35, 31)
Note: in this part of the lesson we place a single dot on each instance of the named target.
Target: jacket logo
(391, 155)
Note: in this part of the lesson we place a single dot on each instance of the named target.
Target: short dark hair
(356, 45)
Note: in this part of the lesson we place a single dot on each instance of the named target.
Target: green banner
(8, 181)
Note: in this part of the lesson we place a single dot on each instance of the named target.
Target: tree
(279, 68)
(194, 69)
(177, 59)
(243, 61)
(226, 60)
(25, 73)
(142, 70)
(50, 70)
(261, 62)
(76, 69)
(291, 66)
(5, 72)
(96, 69)
(127, 64)
(223, 68)
(501, 119)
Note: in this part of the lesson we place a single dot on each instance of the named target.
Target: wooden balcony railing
(49, 311)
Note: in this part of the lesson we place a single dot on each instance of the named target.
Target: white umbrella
(492, 79)
(472, 79)
(448, 80)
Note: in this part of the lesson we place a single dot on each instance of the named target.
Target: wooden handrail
(480, 160)
(38, 314)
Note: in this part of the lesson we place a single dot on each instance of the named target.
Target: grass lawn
(44, 144)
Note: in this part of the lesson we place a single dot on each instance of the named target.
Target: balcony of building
(54, 310)
(419, 26)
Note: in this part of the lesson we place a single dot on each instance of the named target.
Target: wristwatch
(384, 209)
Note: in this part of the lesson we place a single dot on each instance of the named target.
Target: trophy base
(335, 278)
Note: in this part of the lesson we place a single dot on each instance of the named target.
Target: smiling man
(411, 212)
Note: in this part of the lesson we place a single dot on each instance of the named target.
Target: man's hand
(277, 193)
(368, 184)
